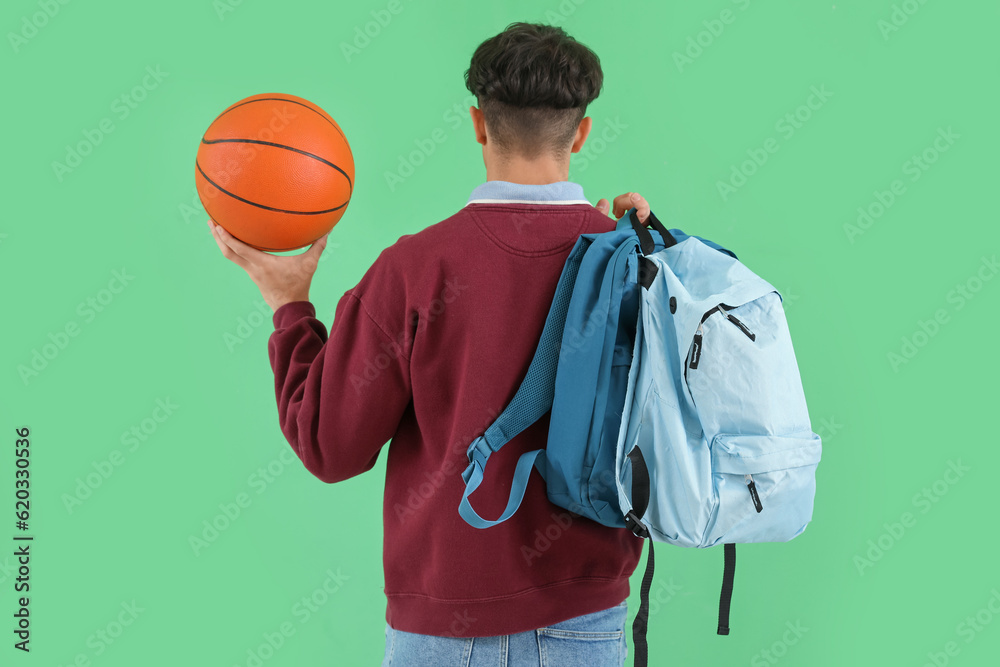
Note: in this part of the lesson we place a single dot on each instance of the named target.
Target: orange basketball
(275, 171)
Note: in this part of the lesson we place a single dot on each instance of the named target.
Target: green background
(852, 299)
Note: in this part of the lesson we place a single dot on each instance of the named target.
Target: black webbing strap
(729, 570)
(641, 621)
(668, 238)
(640, 490)
(647, 271)
(646, 242)
(640, 501)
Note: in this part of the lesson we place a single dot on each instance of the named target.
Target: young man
(428, 349)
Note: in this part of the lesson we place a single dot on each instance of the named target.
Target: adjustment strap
(633, 521)
(473, 477)
(727, 588)
(641, 621)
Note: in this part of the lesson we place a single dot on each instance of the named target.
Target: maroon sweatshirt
(426, 351)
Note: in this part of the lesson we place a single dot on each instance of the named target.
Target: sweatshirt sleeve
(340, 399)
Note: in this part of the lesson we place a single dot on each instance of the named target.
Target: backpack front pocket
(765, 486)
(737, 373)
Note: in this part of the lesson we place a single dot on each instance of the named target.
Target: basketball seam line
(269, 208)
(241, 240)
(291, 148)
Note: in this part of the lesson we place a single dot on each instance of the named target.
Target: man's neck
(527, 172)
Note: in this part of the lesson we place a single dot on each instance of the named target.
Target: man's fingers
(308, 261)
(319, 245)
(622, 203)
(249, 254)
(642, 207)
(227, 252)
(632, 199)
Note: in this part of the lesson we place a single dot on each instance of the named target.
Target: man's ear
(478, 124)
(582, 133)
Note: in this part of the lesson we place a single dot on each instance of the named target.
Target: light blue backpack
(677, 410)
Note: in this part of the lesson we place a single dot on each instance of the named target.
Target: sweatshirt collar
(506, 192)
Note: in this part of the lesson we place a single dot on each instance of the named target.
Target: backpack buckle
(479, 450)
(634, 523)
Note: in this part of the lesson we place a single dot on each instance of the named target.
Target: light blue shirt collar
(506, 192)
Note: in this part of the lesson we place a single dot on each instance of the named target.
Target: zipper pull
(696, 349)
(753, 492)
(743, 327)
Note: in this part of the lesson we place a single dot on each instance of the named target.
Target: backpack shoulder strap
(532, 400)
(535, 395)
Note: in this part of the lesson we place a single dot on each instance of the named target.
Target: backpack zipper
(695, 351)
(729, 316)
(696, 347)
(732, 318)
(753, 492)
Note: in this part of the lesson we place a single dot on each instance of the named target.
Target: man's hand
(623, 203)
(281, 279)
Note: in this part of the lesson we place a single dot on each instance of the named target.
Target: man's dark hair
(534, 83)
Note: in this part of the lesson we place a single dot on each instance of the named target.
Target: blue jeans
(594, 640)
